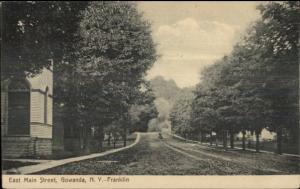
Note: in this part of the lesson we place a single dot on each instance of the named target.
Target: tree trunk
(108, 139)
(257, 141)
(125, 137)
(244, 139)
(225, 140)
(210, 138)
(279, 140)
(217, 135)
(115, 143)
(100, 145)
(101, 138)
(125, 140)
(87, 140)
(202, 137)
(298, 128)
(231, 139)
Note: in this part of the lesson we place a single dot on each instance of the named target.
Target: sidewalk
(252, 150)
(54, 163)
(28, 160)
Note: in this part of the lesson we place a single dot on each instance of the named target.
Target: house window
(18, 108)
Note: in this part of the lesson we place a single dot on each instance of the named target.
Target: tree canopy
(34, 32)
(256, 85)
(104, 76)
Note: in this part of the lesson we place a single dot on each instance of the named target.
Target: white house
(26, 115)
(265, 135)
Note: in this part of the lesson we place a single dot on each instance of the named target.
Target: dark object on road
(160, 136)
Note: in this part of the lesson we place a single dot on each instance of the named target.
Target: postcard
(98, 94)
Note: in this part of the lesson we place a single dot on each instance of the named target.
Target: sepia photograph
(96, 93)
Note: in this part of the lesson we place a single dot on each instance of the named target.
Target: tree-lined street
(167, 156)
(114, 71)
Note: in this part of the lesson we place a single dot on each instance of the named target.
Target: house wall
(25, 146)
(40, 130)
(16, 146)
(37, 108)
(38, 90)
(39, 142)
(38, 127)
(43, 80)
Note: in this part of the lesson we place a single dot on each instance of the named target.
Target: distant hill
(166, 89)
(166, 92)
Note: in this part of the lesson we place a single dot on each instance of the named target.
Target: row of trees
(101, 52)
(254, 87)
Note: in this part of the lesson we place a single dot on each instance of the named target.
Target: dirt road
(169, 156)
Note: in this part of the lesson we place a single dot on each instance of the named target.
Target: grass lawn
(264, 145)
(105, 147)
(270, 146)
(7, 164)
(119, 144)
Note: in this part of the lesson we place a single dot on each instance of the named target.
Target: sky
(192, 35)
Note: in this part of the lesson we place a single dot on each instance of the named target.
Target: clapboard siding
(40, 130)
(36, 113)
(43, 80)
(39, 85)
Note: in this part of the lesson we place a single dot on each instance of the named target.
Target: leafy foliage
(106, 78)
(180, 115)
(256, 86)
(31, 34)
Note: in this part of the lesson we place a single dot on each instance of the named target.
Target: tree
(212, 106)
(228, 84)
(114, 131)
(280, 35)
(144, 109)
(269, 66)
(204, 117)
(31, 35)
(113, 53)
(141, 115)
(180, 116)
(255, 87)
